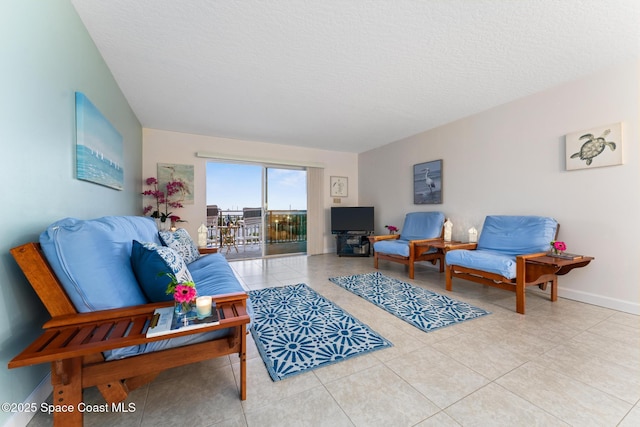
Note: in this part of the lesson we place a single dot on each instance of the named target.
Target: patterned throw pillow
(151, 263)
(181, 242)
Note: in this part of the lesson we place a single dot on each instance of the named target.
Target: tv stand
(353, 243)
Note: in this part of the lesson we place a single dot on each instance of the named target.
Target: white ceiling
(347, 75)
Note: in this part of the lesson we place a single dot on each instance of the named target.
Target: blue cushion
(91, 259)
(422, 225)
(502, 238)
(395, 247)
(214, 276)
(181, 242)
(485, 260)
(517, 234)
(151, 263)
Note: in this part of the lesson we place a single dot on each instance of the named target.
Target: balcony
(240, 234)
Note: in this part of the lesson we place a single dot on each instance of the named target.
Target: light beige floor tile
(440, 378)
(313, 407)
(626, 334)
(346, 367)
(493, 354)
(632, 419)
(570, 400)
(441, 419)
(263, 391)
(495, 406)
(608, 348)
(605, 375)
(626, 319)
(194, 400)
(378, 397)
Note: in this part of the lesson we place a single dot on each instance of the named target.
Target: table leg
(554, 289)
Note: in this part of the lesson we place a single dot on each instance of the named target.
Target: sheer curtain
(315, 211)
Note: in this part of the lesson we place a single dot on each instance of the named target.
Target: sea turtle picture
(593, 146)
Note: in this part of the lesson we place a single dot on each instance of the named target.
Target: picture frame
(339, 186)
(593, 148)
(427, 183)
(175, 172)
(99, 148)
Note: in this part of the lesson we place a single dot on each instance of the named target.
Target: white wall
(172, 147)
(511, 160)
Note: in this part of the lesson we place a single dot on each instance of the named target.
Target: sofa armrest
(118, 313)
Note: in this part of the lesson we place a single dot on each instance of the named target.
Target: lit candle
(203, 306)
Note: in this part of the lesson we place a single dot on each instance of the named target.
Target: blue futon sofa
(119, 261)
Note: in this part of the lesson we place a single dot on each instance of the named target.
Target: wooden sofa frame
(418, 251)
(73, 342)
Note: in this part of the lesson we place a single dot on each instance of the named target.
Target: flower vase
(163, 225)
(182, 310)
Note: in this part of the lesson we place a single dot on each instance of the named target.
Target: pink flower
(184, 293)
(560, 246)
(172, 197)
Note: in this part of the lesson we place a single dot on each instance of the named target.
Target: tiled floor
(563, 363)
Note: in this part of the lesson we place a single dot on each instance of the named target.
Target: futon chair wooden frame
(73, 342)
(418, 251)
(533, 269)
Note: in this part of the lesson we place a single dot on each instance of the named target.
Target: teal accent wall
(47, 55)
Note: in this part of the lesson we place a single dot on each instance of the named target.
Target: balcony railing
(282, 226)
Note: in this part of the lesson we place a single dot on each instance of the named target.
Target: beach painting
(99, 152)
(427, 183)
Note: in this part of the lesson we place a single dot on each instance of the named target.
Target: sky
(237, 186)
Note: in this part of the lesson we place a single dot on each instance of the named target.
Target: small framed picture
(593, 148)
(427, 183)
(339, 186)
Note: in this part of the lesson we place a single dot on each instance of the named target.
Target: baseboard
(38, 396)
(602, 301)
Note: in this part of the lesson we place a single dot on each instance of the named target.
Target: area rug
(423, 309)
(296, 330)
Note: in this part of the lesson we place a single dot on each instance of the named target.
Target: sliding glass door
(256, 210)
(286, 210)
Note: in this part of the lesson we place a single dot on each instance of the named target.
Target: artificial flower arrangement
(172, 197)
(184, 293)
(392, 228)
(558, 247)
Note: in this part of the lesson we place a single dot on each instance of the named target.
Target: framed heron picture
(427, 183)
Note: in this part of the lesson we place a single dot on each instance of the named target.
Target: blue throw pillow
(151, 263)
(181, 242)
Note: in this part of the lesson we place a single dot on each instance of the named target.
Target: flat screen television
(358, 218)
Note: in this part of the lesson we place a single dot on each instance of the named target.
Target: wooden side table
(547, 265)
(443, 247)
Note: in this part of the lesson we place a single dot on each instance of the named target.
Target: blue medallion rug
(423, 309)
(296, 329)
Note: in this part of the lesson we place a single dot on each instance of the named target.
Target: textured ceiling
(347, 75)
